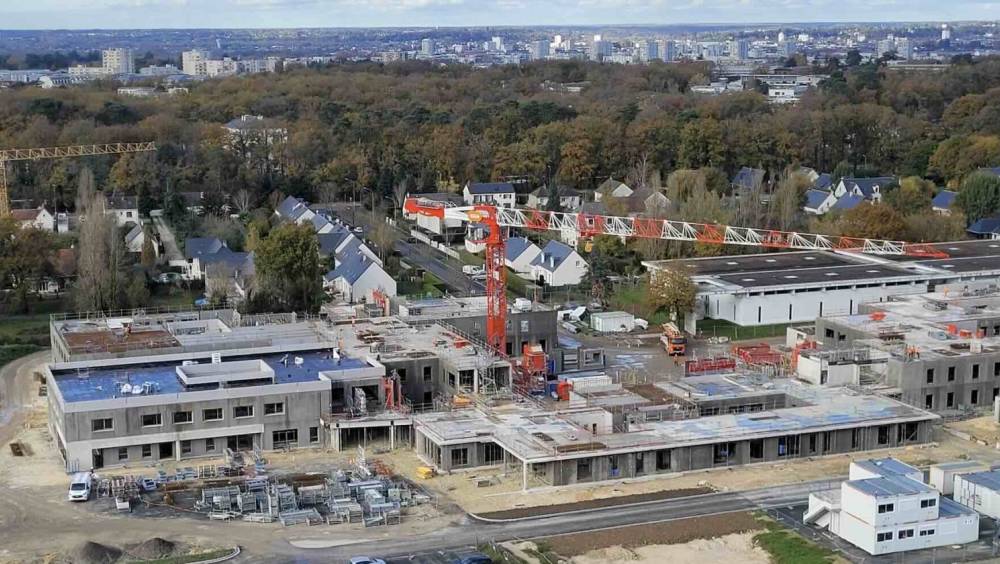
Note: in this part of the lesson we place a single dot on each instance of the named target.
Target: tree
(786, 205)
(913, 195)
(672, 290)
(148, 255)
(979, 196)
(853, 58)
(872, 221)
(288, 270)
(701, 144)
(100, 280)
(682, 183)
(25, 259)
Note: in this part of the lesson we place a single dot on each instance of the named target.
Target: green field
(786, 547)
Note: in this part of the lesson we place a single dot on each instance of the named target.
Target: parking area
(791, 517)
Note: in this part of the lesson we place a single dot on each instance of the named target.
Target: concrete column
(477, 374)
(392, 436)
(524, 475)
(335, 437)
(177, 449)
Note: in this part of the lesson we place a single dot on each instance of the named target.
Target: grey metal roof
(815, 198)
(867, 185)
(989, 479)
(197, 247)
(944, 199)
(291, 208)
(133, 233)
(848, 202)
(887, 466)
(890, 486)
(329, 242)
(950, 508)
(748, 178)
(552, 256)
(351, 269)
(823, 182)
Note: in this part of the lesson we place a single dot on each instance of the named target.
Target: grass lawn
(172, 296)
(468, 258)
(10, 353)
(786, 547)
(24, 329)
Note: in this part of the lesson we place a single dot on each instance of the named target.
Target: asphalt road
(471, 531)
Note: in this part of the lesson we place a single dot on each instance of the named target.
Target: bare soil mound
(153, 548)
(96, 553)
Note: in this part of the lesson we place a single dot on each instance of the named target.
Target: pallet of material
(221, 515)
(258, 518)
(306, 516)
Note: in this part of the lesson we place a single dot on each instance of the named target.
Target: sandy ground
(727, 548)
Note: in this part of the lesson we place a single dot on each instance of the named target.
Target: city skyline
(162, 14)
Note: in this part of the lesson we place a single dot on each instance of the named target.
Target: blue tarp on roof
(815, 198)
(848, 202)
(944, 199)
(552, 256)
(491, 188)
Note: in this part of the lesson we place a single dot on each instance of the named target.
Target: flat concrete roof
(758, 262)
(824, 275)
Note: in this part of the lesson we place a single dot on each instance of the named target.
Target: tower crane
(38, 154)
(494, 220)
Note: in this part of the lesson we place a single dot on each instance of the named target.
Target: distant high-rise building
(781, 37)
(193, 62)
(668, 50)
(600, 50)
(427, 47)
(538, 50)
(118, 61)
(649, 50)
(904, 48)
(712, 50)
(945, 32)
(885, 46)
(738, 49)
(557, 42)
(498, 44)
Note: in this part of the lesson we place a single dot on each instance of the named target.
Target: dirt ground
(985, 429)
(593, 503)
(737, 547)
(657, 534)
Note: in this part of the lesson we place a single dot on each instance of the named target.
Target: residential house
(868, 188)
(822, 182)
(572, 237)
(340, 242)
(885, 507)
(125, 209)
(569, 199)
(558, 265)
(520, 252)
(136, 238)
(943, 202)
(357, 277)
(818, 202)
(203, 252)
(748, 180)
(848, 202)
(500, 194)
(321, 224)
(39, 218)
(295, 210)
(646, 201)
(985, 228)
(249, 133)
(612, 188)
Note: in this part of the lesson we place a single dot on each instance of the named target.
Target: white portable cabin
(979, 491)
(612, 322)
(942, 476)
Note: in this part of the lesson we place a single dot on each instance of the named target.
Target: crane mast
(37, 154)
(494, 220)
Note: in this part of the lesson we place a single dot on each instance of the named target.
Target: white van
(79, 486)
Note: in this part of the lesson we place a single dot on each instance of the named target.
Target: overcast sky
(84, 14)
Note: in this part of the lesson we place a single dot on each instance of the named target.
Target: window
(209, 445)
(951, 373)
(949, 400)
(122, 453)
(788, 446)
(147, 451)
(883, 435)
(663, 459)
(271, 409)
(882, 537)
(285, 439)
(975, 371)
(105, 424)
(926, 532)
(929, 401)
(930, 375)
(152, 420)
(905, 534)
(214, 414)
(427, 374)
(242, 411)
(855, 438)
(828, 333)
(996, 372)
(459, 457)
(886, 508)
(974, 397)
(181, 417)
(492, 454)
(583, 470)
(757, 449)
(313, 435)
(185, 447)
(925, 503)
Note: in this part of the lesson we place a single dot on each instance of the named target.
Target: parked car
(365, 560)
(79, 486)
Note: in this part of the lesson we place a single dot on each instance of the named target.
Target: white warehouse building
(885, 508)
(796, 287)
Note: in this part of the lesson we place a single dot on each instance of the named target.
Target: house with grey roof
(295, 210)
(569, 199)
(870, 189)
(558, 264)
(500, 194)
(748, 179)
(204, 252)
(520, 252)
(943, 202)
(136, 238)
(125, 210)
(818, 202)
(612, 188)
(357, 277)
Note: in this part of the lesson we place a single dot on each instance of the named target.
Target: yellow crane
(38, 154)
